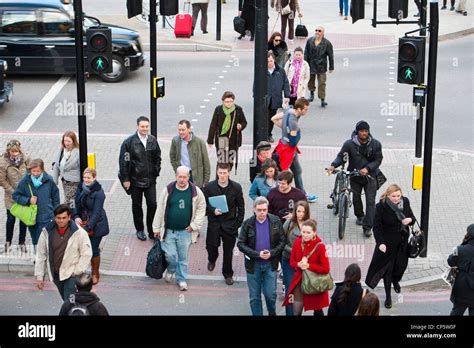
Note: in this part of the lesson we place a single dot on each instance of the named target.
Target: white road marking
(390, 119)
(389, 134)
(206, 100)
(217, 83)
(227, 66)
(221, 77)
(224, 71)
(392, 78)
(391, 89)
(389, 127)
(198, 113)
(43, 104)
(203, 106)
(209, 94)
(194, 120)
(391, 95)
(213, 88)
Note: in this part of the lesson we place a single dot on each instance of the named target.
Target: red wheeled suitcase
(183, 26)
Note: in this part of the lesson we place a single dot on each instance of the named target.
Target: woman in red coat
(318, 262)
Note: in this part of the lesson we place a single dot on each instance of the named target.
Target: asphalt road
(360, 88)
(145, 296)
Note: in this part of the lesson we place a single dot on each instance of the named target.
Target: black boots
(311, 97)
(323, 103)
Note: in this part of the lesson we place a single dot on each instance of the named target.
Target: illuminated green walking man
(408, 74)
(100, 64)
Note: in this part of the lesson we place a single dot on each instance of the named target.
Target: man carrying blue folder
(225, 209)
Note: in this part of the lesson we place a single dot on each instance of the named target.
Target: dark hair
(61, 208)
(352, 276)
(285, 175)
(274, 35)
(311, 223)
(223, 165)
(267, 164)
(369, 305)
(186, 122)
(271, 54)
(294, 218)
(228, 94)
(84, 282)
(141, 119)
(73, 136)
(301, 103)
(299, 49)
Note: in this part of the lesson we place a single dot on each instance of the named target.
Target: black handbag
(301, 30)
(381, 179)
(416, 242)
(156, 261)
(239, 25)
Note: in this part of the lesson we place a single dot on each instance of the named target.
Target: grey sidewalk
(450, 211)
(342, 33)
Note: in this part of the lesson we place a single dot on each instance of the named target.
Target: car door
(19, 44)
(56, 33)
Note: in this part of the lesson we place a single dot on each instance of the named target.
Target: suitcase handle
(189, 6)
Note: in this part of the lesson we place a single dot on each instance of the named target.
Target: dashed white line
(203, 106)
(389, 127)
(224, 71)
(389, 134)
(390, 119)
(217, 83)
(221, 77)
(194, 120)
(209, 94)
(213, 88)
(206, 100)
(43, 104)
(198, 113)
(391, 95)
(227, 66)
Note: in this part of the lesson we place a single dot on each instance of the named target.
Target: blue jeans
(176, 245)
(346, 6)
(297, 172)
(288, 274)
(11, 226)
(264, 279)
(66, 288)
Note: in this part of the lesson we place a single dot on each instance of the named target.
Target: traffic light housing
(99, 50)
(398, 9)
(357, 10)
(411, 60)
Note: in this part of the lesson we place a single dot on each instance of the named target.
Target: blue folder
(219, 202)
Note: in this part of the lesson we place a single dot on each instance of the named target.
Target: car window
(56, 23)
(18, 22)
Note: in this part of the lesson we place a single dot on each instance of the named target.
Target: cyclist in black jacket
(364, 153)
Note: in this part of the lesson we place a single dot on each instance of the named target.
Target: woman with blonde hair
(13, 166)
(393, 215)
(67, 166)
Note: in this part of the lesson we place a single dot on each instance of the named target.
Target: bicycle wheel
(343, 208)
(335, 194)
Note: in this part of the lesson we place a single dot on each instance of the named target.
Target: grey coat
(291, 236)
(71, 171)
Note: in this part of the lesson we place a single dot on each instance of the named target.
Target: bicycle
(341, 197)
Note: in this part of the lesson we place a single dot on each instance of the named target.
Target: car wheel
(119, 71)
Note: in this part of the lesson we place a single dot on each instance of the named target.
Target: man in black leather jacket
(364, 154)
(140, 165)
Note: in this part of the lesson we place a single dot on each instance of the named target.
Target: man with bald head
(179, 217)
(317, 53)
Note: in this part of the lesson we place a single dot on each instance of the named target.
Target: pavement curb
(28, 266)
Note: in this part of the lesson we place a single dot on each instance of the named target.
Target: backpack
(78, 310)
(156, 262)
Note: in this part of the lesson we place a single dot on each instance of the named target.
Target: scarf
(16, 161)
(296, 78)
(37, 182)
(398, 210)
(227, 121)
(86, 189)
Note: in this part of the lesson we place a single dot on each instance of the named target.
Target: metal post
(153, 108)
(163, 19)
(430, 108)
(419, 131)
(80, 84)
(374, 20)
(260, 109)
(423, 15)
(218, 20)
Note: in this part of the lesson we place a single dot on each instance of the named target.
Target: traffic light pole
(420, 109)
(260, 109)
(153, 100)
(218, 20)
(430, 108)
(80, 84)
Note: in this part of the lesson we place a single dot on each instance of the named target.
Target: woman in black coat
(279, 48)
(462, 294)
(346, 297)
(227, 127)
(393, 215)
(247, 12)
(89, 213)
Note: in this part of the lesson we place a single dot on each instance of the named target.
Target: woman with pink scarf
(298, 72)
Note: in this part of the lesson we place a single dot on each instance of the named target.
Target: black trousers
(137, 199)
(458, 310)
(228, 244)
(271, 113)
(370, 190)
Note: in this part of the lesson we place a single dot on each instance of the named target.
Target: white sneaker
(168, 276)
(183, 286)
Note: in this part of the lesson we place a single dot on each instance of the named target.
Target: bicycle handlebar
(355, 172)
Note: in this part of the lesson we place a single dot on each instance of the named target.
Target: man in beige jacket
(64, 252)
(179, 217)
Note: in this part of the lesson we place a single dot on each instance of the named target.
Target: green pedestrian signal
(411, 60)
(99, 50)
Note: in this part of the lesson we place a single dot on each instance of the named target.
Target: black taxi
(37, 37)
